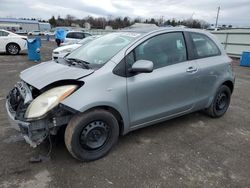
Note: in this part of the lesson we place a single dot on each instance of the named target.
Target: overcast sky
(236, 12)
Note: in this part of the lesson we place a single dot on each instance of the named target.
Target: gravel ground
(190, 151)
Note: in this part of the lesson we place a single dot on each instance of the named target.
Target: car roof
(148, 30)
(154, 29)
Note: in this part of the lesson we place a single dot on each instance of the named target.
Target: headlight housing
(48, 100)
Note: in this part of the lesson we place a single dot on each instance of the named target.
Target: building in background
(25, 26)
(44, 26)
(235, 41)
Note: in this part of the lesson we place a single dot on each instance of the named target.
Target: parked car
(73, 37)
(12, 43)
(119, 83)
(21, 32)
(50, 33)
(36, 33)
(61, 51)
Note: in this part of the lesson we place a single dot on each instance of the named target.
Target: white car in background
(72, 37)
(62, 51)
(36, 33)
(12, 43)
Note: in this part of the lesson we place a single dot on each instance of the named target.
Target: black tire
(12, 48)
(220, 102)
(91, 135)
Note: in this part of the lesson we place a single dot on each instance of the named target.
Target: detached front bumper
(34, 131)
(13, 122)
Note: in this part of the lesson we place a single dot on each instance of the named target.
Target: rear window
(204, 46)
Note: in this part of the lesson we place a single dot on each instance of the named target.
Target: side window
(204, 46)
(79, 35)
(163, 50)
(69, 35)
(3, 34)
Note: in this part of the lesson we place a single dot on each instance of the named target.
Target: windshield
(102, 49)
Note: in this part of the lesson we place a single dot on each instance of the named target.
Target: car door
(3, 40)
(210, 62)
(168, 90)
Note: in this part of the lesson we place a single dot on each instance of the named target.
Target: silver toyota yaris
(118, 83)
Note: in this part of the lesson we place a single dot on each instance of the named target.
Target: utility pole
(217, 17)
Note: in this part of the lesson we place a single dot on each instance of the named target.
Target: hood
(49, 72)
(67, 47)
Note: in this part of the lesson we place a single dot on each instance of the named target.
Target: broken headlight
(48, 100)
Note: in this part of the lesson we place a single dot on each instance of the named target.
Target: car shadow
(60, 152)
(20, 54)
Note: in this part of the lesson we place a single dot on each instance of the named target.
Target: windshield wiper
(75, 61)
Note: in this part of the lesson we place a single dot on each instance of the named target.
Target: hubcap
(12, 49)
(94, 135)
(221, 102)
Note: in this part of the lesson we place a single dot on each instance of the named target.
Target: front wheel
(91, 135)
(220, 102)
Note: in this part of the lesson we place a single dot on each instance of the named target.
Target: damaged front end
(37, 114)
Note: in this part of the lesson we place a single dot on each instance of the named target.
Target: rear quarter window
(87, 35)
(204, 46)
(3, 34)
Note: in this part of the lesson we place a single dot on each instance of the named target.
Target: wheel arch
(12, 43)
(115, 112)
(229, 84)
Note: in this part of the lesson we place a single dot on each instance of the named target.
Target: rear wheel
(220, 103)
(13, 49)
(91, 135)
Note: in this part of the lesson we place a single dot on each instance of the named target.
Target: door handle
(191, 69)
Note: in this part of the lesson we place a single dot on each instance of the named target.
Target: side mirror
(142, 66)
